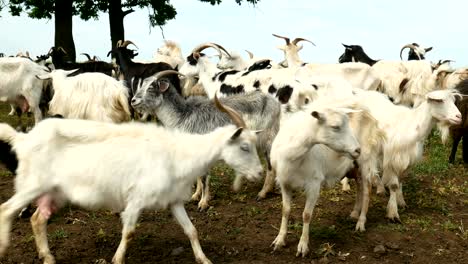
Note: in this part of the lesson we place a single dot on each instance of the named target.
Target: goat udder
(46, 205)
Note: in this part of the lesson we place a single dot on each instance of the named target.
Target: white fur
(18, 78)
(301, 162)
(88, 164)
(92, 96)
(406, 129)
(169, 53)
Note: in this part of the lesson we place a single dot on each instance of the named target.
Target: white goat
(406, 129)
(90, 95)
(291, 51)
(19, 85)
(157, 174)
(169, 53)
(294, 157)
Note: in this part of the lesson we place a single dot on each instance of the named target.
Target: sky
(381, 27)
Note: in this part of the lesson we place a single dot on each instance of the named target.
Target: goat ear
(428, 49)
(319, 116)
(237, 133)
(163, 86)
(434, 97)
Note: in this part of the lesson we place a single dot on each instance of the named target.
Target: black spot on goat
(229, 89)
(284, 94)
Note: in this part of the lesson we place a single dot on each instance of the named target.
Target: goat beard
(444, 130)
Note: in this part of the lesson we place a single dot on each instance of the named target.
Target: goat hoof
(261, 196)
(395, 220)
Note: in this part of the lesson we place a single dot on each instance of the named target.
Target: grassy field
(238, 229)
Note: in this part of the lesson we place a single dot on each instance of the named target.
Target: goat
(90, 95)
(103, 182)
(402, 81)
(291, 50)
(293, 148)
(279, 83)
(58, 55)
(405, 130)
(20, 87)
(416, 52)
(133, 72)
(170, 53)
(199, 115)
(461, 131)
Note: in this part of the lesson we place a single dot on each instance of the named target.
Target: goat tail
(7, 133)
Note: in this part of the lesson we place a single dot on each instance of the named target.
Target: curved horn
(346, 46)
(445, 61)
(250, 54)
(233, 114)
(203, 46)
(285, 38)
(62, 49)
(296, 40)
(223, 49)
(411, 46)
(161, 74)
(87, 56)
(126, 43)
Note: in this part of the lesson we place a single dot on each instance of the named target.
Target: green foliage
(160, 11)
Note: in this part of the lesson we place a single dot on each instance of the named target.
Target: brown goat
(461, 131)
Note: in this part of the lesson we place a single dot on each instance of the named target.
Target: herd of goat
(314, 124)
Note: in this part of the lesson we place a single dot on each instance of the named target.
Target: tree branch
(124, 13)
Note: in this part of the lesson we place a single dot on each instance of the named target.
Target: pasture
(239, 229)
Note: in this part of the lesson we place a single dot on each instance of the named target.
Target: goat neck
(292, 57)
(302, 142)
(194, 166)
(172, 110)
(418, 125)
(124, 62)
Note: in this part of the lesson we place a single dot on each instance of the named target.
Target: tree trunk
(116, 21)
(64, 27)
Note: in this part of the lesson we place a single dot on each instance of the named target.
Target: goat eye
(337, 128)
(245, 148)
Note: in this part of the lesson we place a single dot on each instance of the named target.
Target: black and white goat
(258, 77)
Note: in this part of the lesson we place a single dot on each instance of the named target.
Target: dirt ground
(239, 229)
